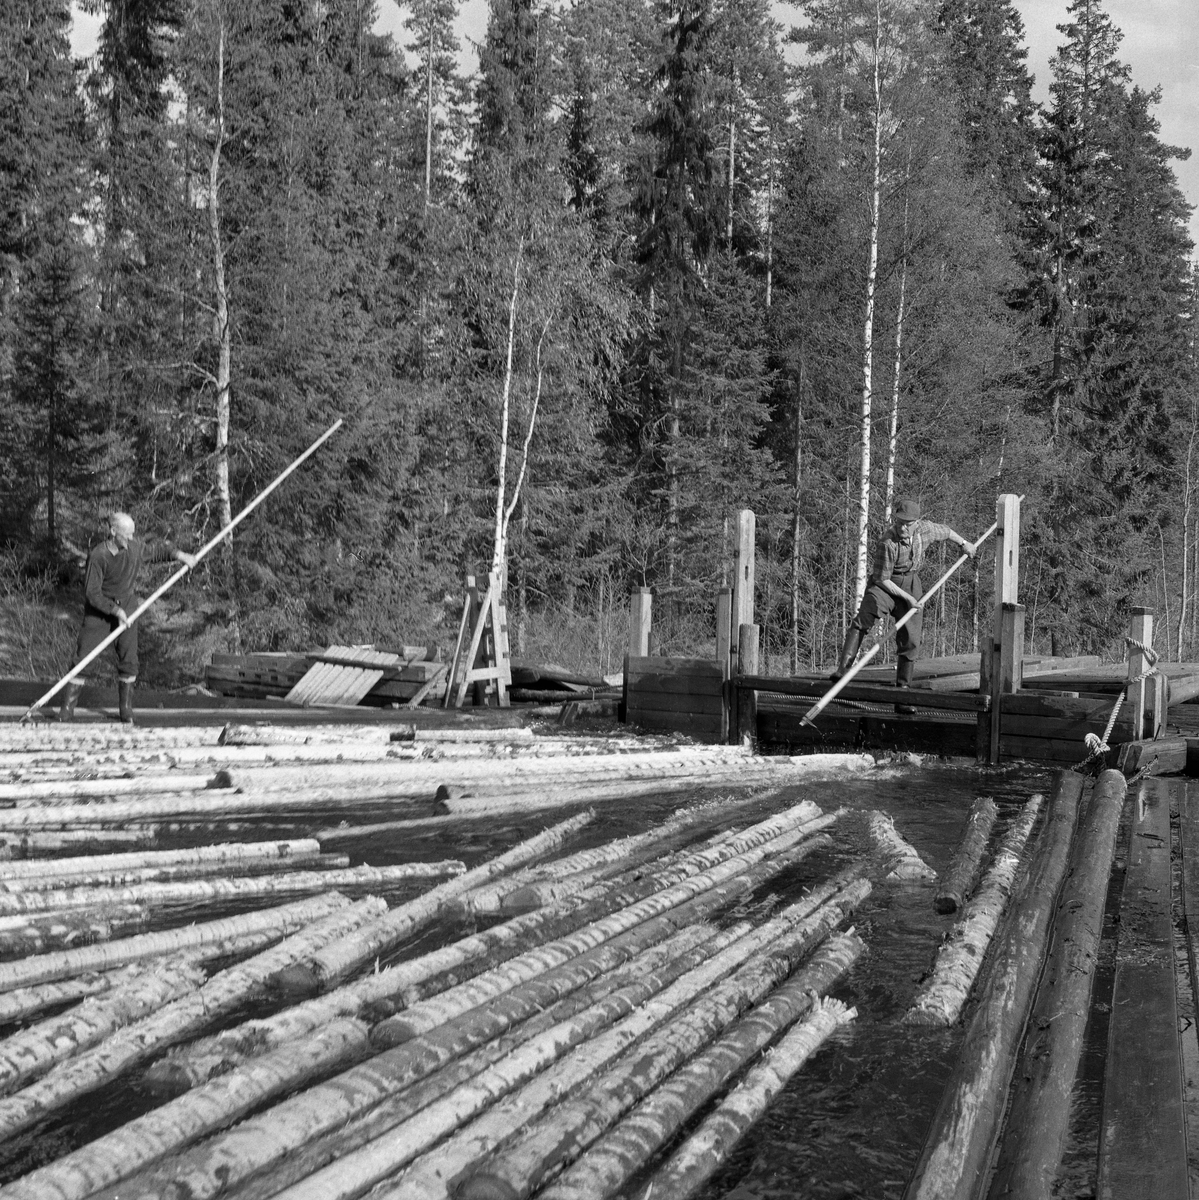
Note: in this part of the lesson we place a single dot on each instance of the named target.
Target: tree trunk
(893, 439)
(962, 875)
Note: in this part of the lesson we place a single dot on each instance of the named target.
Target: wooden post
(993, 656)
(1010, 658)
(1158, 703)
(743, 574)
(724, 625)
(746, 730)
(1136, 695)
(641, 606)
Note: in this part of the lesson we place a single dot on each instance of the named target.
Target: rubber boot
(849, 652)
(70, 698)
(125, 700)
(903, 679)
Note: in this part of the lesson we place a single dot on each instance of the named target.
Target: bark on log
(63, 964)
(605, 1168)
(419, 977)
(216, 891)
(959, 881)
(99, 789)
(635, 982)
(174, 1022)
(957, 1151)
(23, 937)
(170, 873)
(22, 846)
(706, 1150)
(943, 995)
(1037, 1125)
(33, 1051)
(906, 863)
(685, 1014)
(265, 1141)
(218, 856)
(342, 958)
(426, 1015)
(270, 735)
(145, 1140)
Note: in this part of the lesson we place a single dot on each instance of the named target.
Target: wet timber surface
(852, 1122)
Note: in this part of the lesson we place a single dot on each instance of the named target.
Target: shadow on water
(852, 1122)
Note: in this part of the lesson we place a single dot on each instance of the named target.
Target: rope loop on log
(1097, 746)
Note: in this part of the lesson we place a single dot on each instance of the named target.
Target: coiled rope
(1098, 746)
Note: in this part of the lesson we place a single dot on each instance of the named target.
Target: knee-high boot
(849, 652)
(70, 697)
(125, 700)
(903, 679)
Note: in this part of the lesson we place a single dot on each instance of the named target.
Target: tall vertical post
(747, 700)
(743, 575)
(724, 625)
(1001, 669)
(641, 608)
(1137, 696)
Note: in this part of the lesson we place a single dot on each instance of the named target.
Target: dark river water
(851, 1124)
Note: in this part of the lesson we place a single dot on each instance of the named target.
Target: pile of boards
(177, 913)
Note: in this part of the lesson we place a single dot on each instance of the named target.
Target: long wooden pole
(178, 575)
(810, 716)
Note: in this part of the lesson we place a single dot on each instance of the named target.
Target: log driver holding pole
(91, 645)
(899, 555)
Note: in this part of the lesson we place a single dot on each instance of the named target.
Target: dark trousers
(95, 628)
(878, 602)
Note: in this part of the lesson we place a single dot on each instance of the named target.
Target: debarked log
(221, 890)
(705, 1151)
(173, 1022)
(959, 880)
(62, 964)
(605, 1168)
(960, 957)
(906, 863)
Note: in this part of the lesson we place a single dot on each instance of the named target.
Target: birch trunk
(868, 322)
(704, 1152)
(43, 933)
(497, 556)
(63, 964)
(904, 859)
(174, 1022)
(941, 998)
(893, 438)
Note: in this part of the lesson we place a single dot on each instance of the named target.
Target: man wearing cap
(108, 593)
(895, 587)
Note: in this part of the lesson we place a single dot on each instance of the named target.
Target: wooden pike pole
(178, 575)
(809, 718)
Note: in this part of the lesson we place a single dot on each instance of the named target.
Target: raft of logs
(302, 1018)
(245, 929)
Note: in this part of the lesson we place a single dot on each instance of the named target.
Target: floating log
(250, 887)
(608, 1165)
(688, 1016)
(272, 735)
(957, 1150)
(23, 846)
(265, 1141)
(906, 863)
(960, 957)
(229, 852)
(686, 949)
(98, 789)
(33, 1051)
(173, 1022)
(706, 1150)
(342, 958)
(43, 933)
(21, 1003)
(144, 1140)
(1037, 1125)
(170, 873)
(964, 869)
(63, 964)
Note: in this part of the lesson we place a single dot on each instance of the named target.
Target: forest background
(662, 260)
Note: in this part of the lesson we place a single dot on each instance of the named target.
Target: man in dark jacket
(108, 595)
(895, 587)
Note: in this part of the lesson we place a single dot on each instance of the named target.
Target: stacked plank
(307, 1048)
